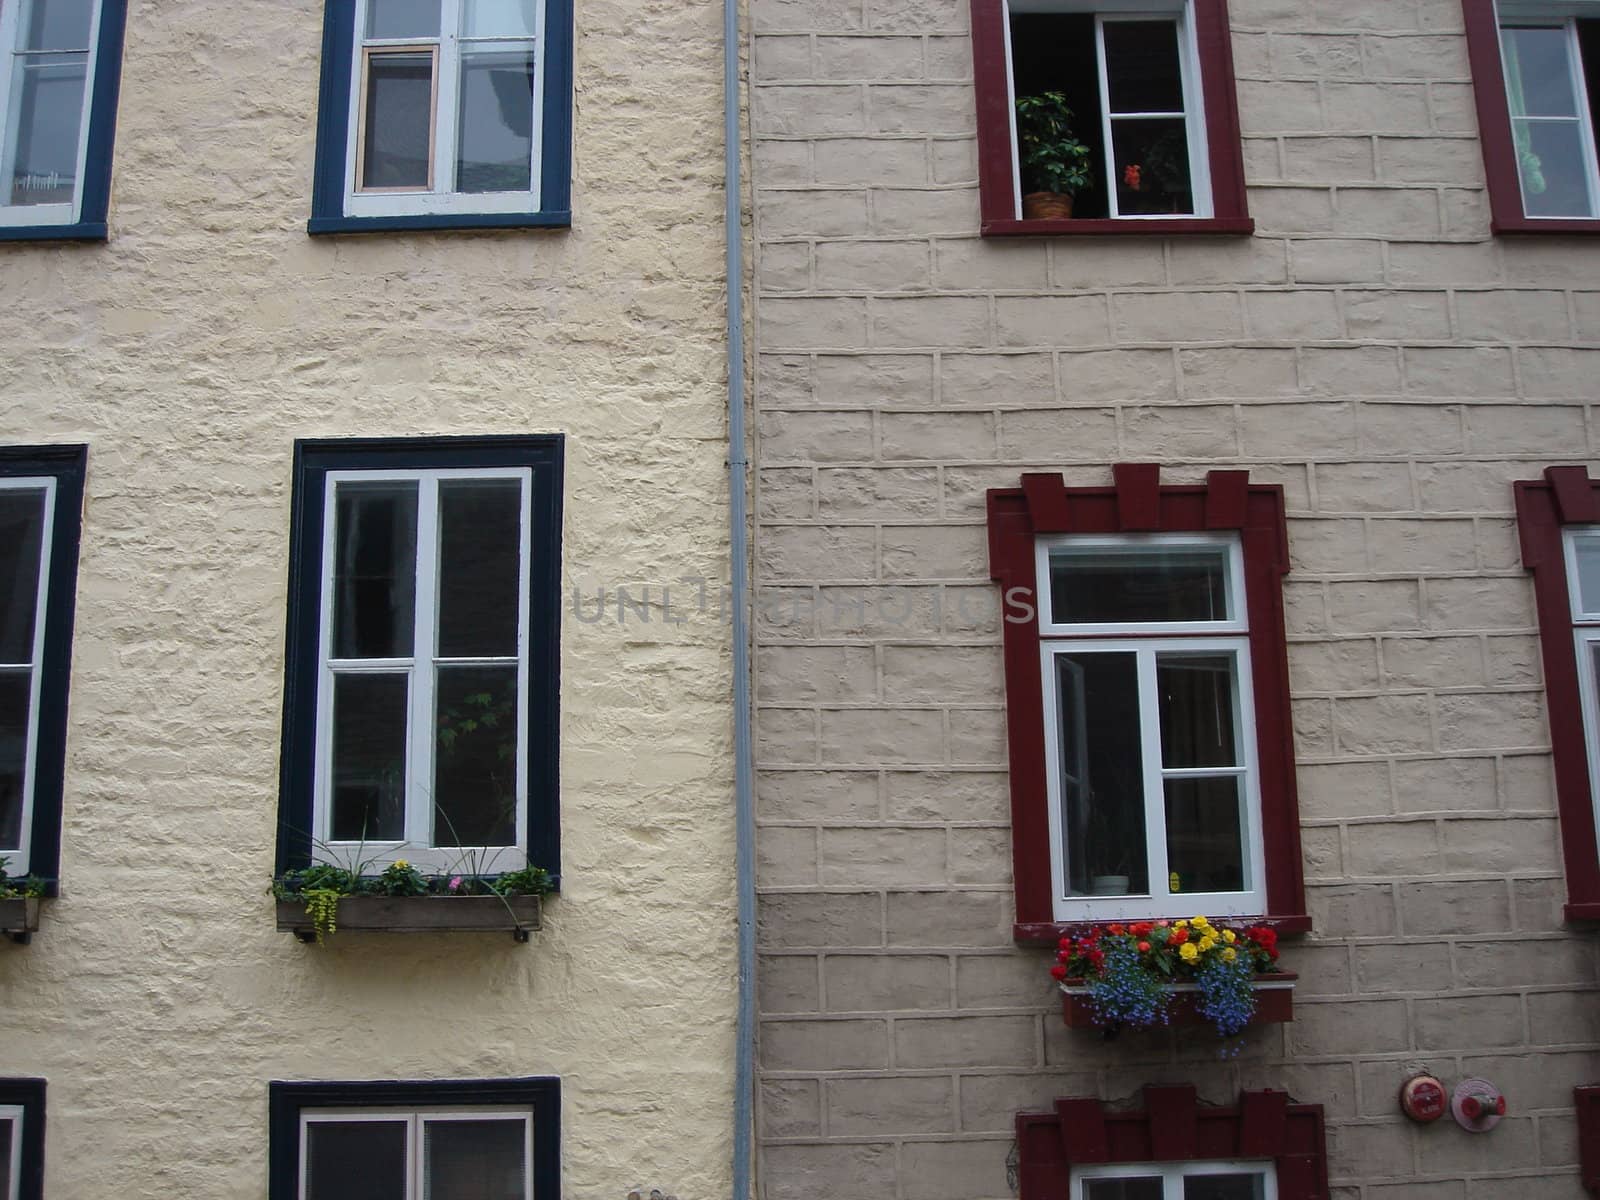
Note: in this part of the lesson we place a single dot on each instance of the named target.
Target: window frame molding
(67, 466)
(1137, 502)
(1215, 99)
(1173, 1128)
(1546, 508)
(1507, 214)
(333, 177)
(315, 460)
(91, 204)
(1177, 1171)
(288, 1100)
(27, 1096)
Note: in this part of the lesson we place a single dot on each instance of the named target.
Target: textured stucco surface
(1374, 349)
(188, 353)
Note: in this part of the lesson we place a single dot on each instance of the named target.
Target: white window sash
(414, 1120)
(1172, 1175)
(418, 846)
(11, 30)
(1233, 583)
(441, 197)
(14, 1114)
(1160, 900)
(18, 857)
(1560, 15)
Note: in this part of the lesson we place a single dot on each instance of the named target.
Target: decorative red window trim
(1587, 1100)
(1565, 496)
(1174, 1126)
(996, 194)
(1137, 501)
(1494, 131)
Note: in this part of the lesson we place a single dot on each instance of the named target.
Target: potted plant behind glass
(1055, 164)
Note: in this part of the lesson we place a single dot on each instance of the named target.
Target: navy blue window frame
(68, 465)
(333, 136)
(288, 1099)
(28, 1094)
(313, 459)
(95, 200)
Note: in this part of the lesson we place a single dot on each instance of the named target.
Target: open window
(1151, 753)
(1536, 70)
(1116, 116)
(444, 113)
(1558, 523)
(420, 720)
(60, 62)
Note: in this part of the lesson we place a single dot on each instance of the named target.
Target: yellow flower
(1188, 952)
(1206, 943)
(1229, 936)
(1229, 954)
(1180, 924)
(1200, 922)
(401, 864)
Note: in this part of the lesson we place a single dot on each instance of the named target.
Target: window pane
(1102, 779)
(1538, 72)
(1555, 179)
(480, 531)
(375, 570)
(21, 532)
(475, 773)
(369, 758)
(497, 18)
(1223, 1187)
(474, 1160)
(402, 18)
(1142, 72)
(1151, 161)
(58, 25)
(495, 139)
(1136, 1187)
(8, 1133)
(1196, 703)
(47, 97)
(398, 134)
(1127, 585)
(355, 1160)
(1587, 550)
(1205, 844)
(16, 688)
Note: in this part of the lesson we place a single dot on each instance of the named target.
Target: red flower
(1140, 928)
(1058, 972)
(1144, 947)
(1130, 176)
(1178, 938)
(1065, 943)
(1117, 929)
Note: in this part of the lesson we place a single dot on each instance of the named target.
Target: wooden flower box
(516, 915)
(19, 918)
(1274, 1002)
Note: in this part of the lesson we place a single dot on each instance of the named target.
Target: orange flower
(1131, 176)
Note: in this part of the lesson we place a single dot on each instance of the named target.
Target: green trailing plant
(1053, 158)
(28, 887)
(322, 906)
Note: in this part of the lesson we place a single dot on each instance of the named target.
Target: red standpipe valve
(1477, 1105)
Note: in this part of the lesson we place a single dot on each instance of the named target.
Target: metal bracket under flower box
(1274, 1002)
(518, 915)
(19, 917)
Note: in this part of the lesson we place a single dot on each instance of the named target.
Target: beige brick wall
(1373, 349)
(188, 353)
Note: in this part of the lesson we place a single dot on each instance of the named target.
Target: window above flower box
(1536, 73)
(1113, 116)
(1151, 751)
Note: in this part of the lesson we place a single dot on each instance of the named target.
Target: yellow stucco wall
(188, 353)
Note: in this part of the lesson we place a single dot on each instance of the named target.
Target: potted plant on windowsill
(1055, 164)
(19, 905)
(324, 899)
(1187, 972)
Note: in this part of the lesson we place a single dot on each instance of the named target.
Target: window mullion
(23, 854)
(1155, 814)
(446, 117)
(10, 34)
(524, 599)
(419, 796)
(1112, 208)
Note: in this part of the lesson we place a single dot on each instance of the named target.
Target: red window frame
(1565, 496)
(1494, 131)
(1587, 1100)
(1174, 1126)
(996, 150)
(1137, 501)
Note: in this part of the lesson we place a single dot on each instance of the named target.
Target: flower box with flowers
(325, 899)
(19, 905)
(1173, 972)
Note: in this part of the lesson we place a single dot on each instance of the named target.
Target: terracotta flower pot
(1046, 206)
